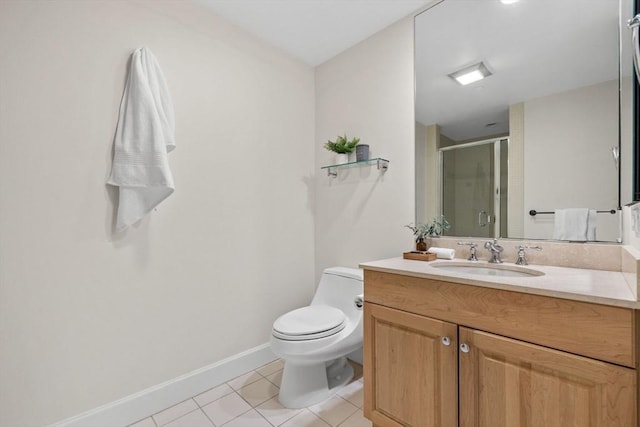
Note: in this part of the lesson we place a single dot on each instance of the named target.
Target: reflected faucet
(496, 250)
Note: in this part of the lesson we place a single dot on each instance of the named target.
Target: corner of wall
(366, 91)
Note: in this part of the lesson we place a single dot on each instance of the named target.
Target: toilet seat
(309, 323)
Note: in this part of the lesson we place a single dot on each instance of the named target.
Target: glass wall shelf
(379, 162)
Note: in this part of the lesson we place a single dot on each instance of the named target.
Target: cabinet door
(504, 382)
(410, 371)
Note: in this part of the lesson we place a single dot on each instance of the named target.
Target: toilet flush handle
(359, 301)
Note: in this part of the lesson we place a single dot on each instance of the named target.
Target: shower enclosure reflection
(474, 187)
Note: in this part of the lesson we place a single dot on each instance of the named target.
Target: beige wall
(515, 194)
(367, 92)
(428, 182)
(421, 170)
(87, 317)
(563, 141)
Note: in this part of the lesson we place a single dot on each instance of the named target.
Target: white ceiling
(314, 30)
(534, 48)
(549, 44)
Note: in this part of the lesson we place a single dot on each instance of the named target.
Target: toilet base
(306, 385)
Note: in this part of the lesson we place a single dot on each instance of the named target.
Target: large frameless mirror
(523, 108)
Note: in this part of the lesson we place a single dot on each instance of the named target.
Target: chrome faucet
(496, 250)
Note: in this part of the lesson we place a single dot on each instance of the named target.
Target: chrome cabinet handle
(464, 348)
(446, 341)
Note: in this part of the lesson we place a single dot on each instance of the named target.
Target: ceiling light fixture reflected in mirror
(471, 74)
(509, 1)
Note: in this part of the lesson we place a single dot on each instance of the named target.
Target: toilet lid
(315, 321)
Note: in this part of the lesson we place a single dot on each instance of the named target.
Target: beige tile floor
(251, 400)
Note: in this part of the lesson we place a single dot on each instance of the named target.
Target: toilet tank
(338, 288)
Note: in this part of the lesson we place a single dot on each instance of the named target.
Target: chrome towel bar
(534, 212)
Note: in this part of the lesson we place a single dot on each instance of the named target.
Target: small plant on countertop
(342, 145)
(419, 231)
(433, 229)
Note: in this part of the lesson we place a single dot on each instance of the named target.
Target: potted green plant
(423, 232)
(342, 146)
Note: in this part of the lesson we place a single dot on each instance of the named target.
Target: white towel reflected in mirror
(576, 224)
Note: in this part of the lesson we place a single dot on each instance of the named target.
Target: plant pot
(362, 152)
(341, 158)
(421, 245)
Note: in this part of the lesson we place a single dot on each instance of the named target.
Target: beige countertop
(596, 286)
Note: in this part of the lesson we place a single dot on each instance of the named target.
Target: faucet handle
(472, 244)
(523, 247)
(472, 250)
(521, 254)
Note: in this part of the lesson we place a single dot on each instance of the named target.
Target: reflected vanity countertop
(596, 286)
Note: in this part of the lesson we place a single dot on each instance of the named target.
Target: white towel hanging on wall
(144, 137)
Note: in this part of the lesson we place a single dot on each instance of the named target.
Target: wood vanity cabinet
(415, 374)
(441, 354)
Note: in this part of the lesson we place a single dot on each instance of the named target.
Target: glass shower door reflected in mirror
(473, 177)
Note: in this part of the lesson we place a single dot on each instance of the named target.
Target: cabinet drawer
(592, 330)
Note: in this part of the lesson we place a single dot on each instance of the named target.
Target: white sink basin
(485, 269)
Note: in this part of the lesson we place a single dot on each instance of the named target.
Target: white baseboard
(130, 409)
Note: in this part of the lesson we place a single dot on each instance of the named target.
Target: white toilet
(314, 341)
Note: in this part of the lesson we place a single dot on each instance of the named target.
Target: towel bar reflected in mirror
(534, 212)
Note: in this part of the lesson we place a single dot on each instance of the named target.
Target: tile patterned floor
(251, 400)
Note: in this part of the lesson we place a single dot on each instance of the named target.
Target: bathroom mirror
(549, 126)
